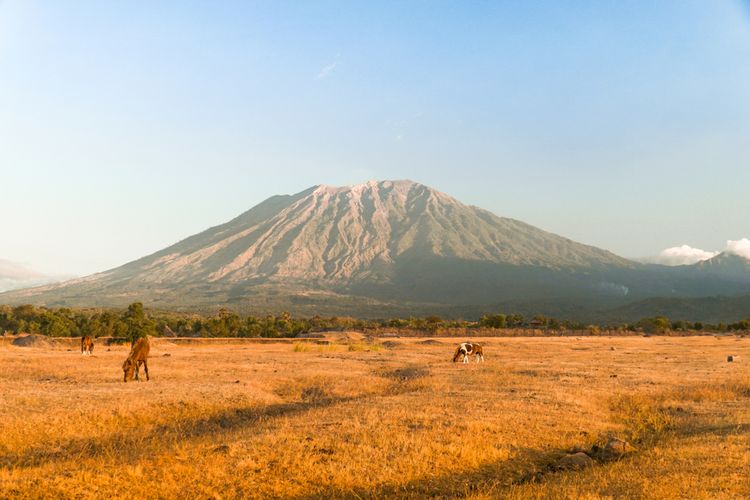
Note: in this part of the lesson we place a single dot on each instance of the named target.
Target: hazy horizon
(127, 127)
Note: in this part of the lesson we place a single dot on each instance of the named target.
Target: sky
(128, 126)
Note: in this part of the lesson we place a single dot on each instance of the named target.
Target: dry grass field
(390, 419)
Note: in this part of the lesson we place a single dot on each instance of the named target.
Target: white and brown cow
(466, 350)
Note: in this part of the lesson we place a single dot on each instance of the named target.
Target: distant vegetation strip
(136, 321)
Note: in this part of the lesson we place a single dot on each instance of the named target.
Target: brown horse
(87, 345)
(138, 356)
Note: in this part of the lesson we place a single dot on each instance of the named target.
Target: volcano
(371, 249)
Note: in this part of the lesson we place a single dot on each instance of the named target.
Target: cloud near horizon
(686, 255)
(682, 256)
(739, 247)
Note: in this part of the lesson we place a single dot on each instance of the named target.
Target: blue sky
(126, 126)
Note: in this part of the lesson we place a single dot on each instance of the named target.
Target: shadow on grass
(131, 445)
(528, 465)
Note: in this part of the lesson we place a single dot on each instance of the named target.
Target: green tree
(494, 321)
(138, 324)
(658, 325)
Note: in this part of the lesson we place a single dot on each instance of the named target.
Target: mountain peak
(727, 261)
(399, 185)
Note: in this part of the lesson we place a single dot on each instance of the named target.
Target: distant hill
(376, 249)
(707, 309)
(14, 275)
(726, 264)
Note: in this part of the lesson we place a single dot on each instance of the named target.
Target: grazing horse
(87, 345)
(466, 349)
(138, 356)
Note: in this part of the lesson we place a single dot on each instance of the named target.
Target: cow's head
(460, 353)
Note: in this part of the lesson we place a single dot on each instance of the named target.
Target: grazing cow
(138, 356)
(466, 349)
(87, 345)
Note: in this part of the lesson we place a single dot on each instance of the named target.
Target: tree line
(136, 321)
(657, 324)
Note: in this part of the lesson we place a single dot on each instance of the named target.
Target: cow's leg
(145, 368)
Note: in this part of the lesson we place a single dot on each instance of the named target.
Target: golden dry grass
(398, 419)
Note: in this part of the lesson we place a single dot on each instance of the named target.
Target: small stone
(730, 359)
(575, 461)
(617, 447)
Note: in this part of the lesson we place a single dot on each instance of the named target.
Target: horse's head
(128, 369)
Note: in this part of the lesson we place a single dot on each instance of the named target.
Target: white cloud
(686, 255)
(682, 255)
(400, 127)
(739, 247)
(325, 71)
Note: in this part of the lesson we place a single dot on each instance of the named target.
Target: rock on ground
(575, 461)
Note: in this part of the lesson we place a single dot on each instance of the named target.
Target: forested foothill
(137, 321)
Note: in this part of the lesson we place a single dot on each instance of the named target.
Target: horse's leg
(145, 368)
(137, 369)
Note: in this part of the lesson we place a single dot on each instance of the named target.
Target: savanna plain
(357, 417)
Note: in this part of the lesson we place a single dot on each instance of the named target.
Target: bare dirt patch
(38, 341)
